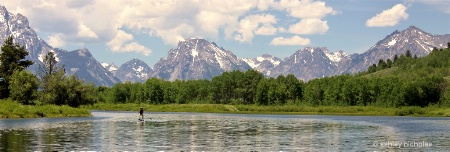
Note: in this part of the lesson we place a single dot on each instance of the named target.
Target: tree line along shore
(404, 85)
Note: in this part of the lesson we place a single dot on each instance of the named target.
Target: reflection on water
(221, 132)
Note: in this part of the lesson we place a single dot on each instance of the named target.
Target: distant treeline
(402, 81)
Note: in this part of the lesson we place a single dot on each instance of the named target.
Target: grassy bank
(254, 109)
(11, 109)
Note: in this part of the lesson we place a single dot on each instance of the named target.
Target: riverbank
(286, 109)
(11, 109)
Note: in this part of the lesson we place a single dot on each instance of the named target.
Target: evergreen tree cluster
(235, 87)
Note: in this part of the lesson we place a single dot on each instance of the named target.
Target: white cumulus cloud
(55, 40)
(306, 8)
(389, 17)
(266, 30)
(260, 24)
(84, 31)
(123, 42)
(309, 26)
(295, 40)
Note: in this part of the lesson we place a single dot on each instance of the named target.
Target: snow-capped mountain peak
(134, 70)
(197, 59)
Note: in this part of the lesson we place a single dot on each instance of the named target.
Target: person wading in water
(141, 114)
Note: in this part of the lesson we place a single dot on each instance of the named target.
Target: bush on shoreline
(12, 109)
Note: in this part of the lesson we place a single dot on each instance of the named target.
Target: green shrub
(12, 109)
(406, 111)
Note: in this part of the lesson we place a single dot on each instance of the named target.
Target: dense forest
(405, 80)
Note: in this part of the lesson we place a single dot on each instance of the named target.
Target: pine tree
(389, 63)
(48, 70)
(12, 58)
(50, 64)
(408, 53)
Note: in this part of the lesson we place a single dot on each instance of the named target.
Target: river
(120, 131)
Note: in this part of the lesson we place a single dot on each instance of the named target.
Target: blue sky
(118, 31)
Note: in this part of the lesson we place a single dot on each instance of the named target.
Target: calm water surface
(120, 131)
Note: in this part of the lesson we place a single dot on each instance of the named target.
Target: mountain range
(200, 59)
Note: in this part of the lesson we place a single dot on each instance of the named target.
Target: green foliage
(154, 90)
(122, 92)
(23, 87)
(54, 92)
(78, 93)
(406, 111)
(262, 92)
(11, 59)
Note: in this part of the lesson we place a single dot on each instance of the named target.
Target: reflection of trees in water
(51, 139)
(14, 140)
